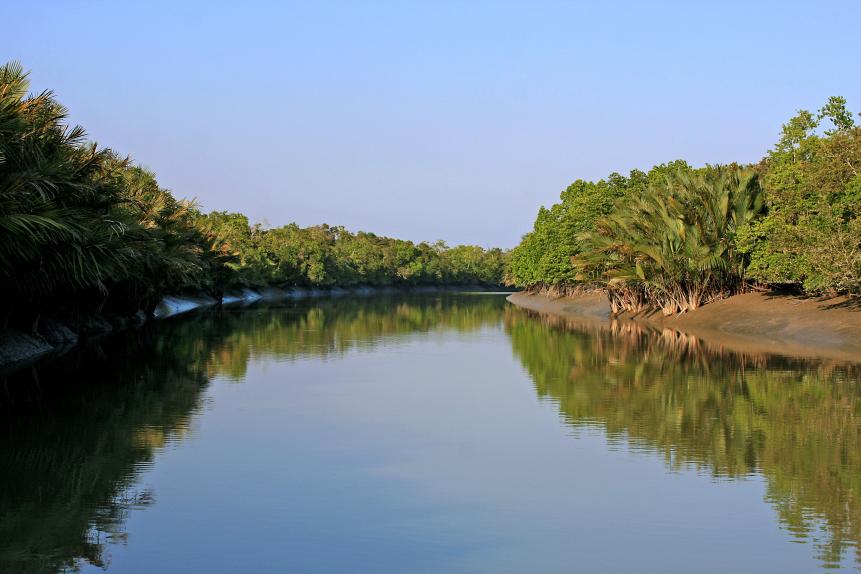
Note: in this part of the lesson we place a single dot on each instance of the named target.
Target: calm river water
(435, 434)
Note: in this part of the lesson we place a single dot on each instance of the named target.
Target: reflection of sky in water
(430, 452)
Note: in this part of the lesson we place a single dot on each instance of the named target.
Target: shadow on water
(76, 434)
(795, 422)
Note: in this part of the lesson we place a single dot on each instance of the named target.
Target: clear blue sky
(429, 120)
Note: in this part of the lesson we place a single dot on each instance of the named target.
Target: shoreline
(19, 349)
(769, 323)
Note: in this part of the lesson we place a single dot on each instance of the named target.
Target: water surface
(449, 433)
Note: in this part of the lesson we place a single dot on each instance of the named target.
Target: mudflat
(826, 327)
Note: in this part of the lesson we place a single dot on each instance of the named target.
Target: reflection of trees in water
(794, 421)
(76, 433)
(330, 328)
(72, 446)
(74, 439)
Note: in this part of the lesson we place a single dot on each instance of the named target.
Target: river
(446, 433)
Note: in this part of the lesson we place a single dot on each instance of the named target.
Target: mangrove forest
(677, 236)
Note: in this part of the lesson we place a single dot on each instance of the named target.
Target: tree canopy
(677, 236)
(84, 227)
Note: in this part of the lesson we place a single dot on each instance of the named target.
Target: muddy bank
(590, 306)
(749, 323)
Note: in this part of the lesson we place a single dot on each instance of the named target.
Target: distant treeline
(678, 237)
(83, 227)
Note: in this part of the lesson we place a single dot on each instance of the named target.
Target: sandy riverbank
(753, 322)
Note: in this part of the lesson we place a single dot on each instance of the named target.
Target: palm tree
(57, 232)
(674, 247)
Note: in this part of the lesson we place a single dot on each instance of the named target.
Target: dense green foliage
(83, 226)
(543, 258)
(678, 237)
(812, 233)
(674, 247)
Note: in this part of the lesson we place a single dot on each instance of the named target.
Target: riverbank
(750, 323)
(55, 337)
